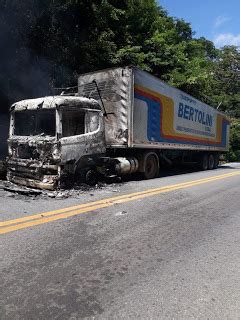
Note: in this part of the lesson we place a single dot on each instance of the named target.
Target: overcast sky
(216, 20)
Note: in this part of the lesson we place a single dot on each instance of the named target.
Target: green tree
(234, 152)
(226, 86)
(48, 43)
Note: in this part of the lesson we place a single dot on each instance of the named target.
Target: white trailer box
(145, 112)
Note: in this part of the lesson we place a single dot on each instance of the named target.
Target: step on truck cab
(120, 121)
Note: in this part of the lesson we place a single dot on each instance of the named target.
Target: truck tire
(216, 161)
(151, 167)
(210, 162)
(86, 175)
(91, 177)
(203, 163)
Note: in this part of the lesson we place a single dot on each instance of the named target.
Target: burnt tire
(91, 177)
(151, 167)
(210, 162)
(203, 163)
(86, 175)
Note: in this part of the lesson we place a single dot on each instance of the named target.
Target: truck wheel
(204, 162)
(210, 162)
(216, 161)
(91, 177)
(151, 167)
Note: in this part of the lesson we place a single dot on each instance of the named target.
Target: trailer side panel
(165, 117)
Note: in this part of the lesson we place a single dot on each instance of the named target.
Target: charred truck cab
(49, 136)
(120, 121)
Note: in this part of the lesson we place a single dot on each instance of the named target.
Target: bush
(234, 150)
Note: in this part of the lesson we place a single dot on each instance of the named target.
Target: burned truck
(119, 121)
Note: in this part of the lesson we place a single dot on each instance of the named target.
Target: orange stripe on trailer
(167, 116)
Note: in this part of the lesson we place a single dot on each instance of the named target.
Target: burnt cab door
(82, 133)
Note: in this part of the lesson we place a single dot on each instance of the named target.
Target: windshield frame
(71, 108)
(12, 129)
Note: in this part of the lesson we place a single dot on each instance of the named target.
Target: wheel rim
(91, 178)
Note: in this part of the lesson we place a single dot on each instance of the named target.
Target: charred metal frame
(52, 158)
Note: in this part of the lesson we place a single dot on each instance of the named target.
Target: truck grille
(27, 152)
(32, 170)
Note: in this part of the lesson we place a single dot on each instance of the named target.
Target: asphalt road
(168, 248)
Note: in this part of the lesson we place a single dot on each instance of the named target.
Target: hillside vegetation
(47, 43)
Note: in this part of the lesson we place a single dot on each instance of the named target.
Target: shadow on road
(174, 171)
(190, 169)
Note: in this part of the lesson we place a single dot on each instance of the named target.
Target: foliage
(234, 152)
(227, 80)
(48, 42)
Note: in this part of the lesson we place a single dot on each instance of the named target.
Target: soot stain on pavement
(24, 193)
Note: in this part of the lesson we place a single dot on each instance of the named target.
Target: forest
(45, 44)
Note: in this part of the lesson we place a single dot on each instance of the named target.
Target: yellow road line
(112, 199)
(37, 219)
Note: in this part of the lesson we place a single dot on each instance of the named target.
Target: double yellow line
(41, 218)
